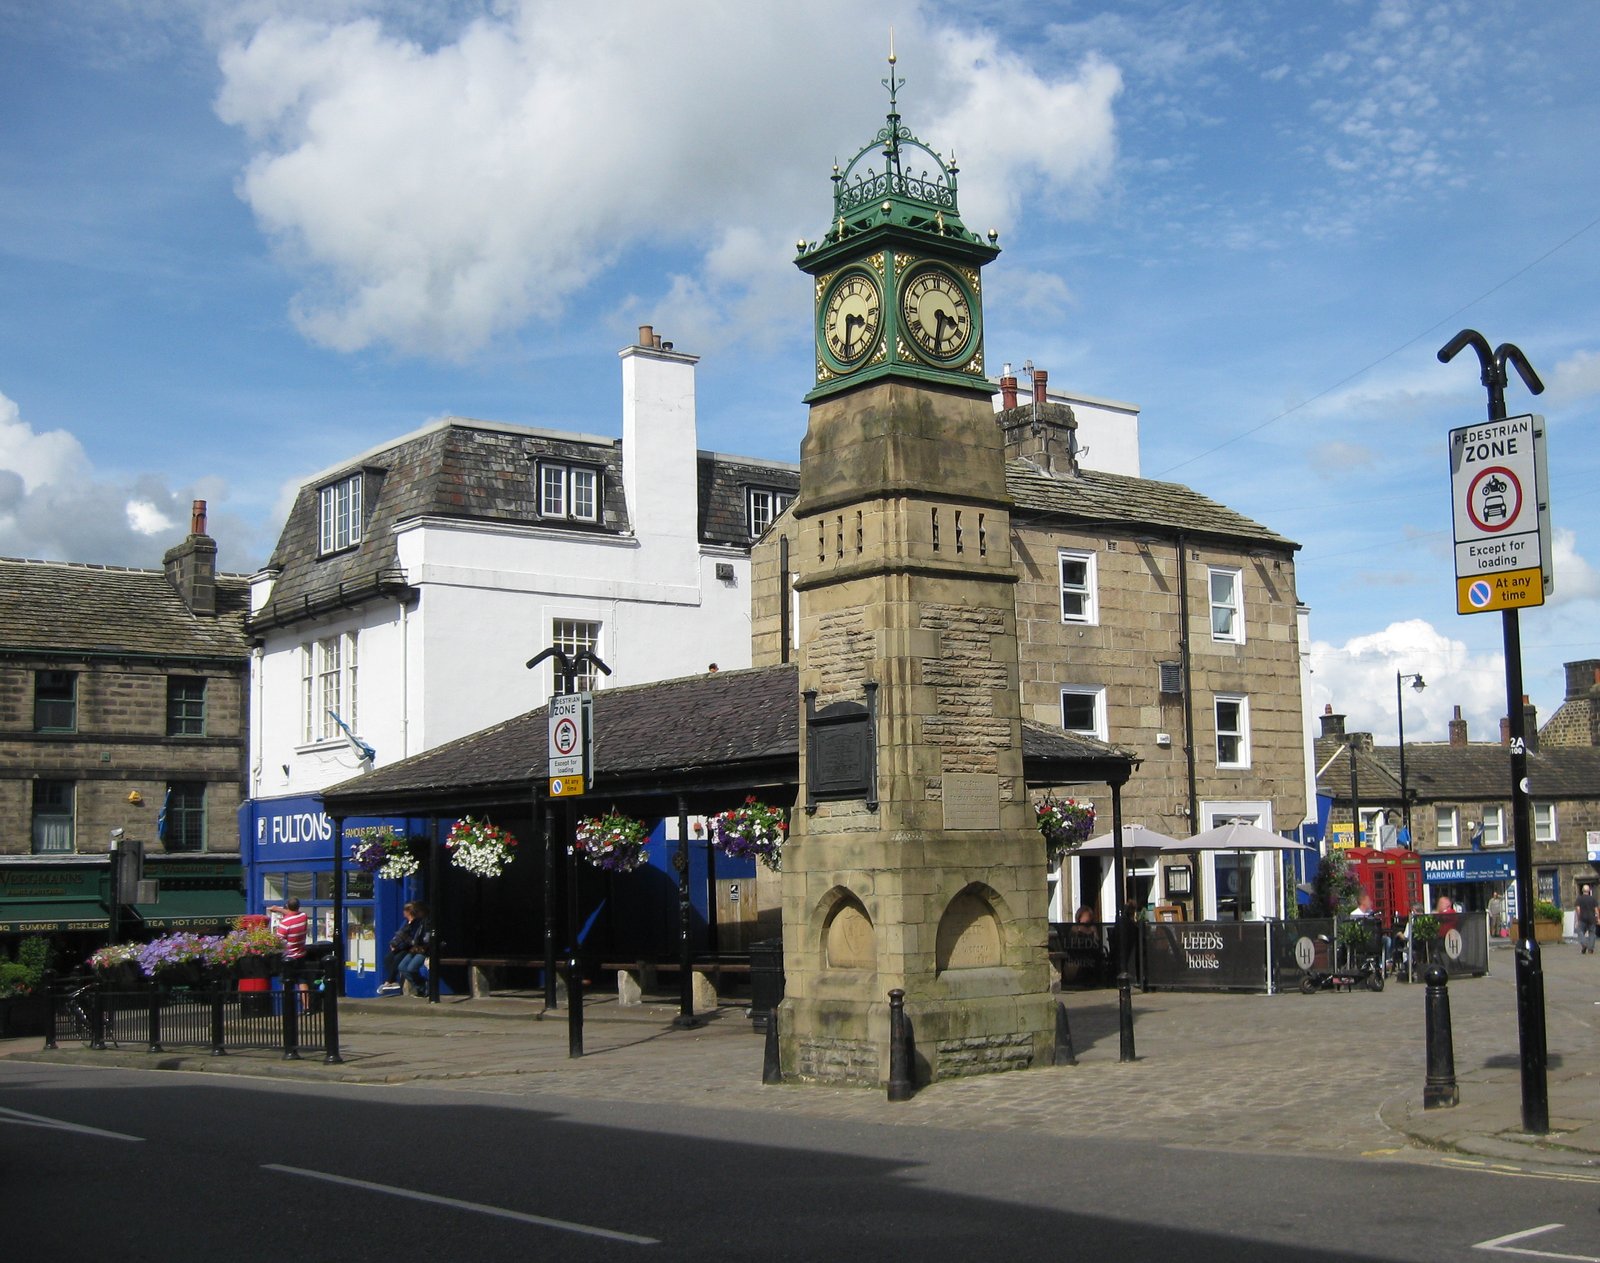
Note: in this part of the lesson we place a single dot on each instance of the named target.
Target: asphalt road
(134, 1165)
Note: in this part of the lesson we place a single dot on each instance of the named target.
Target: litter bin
(766, 980)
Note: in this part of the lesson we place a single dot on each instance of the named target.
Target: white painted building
(413, 582)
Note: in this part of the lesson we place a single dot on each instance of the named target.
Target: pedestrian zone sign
(1499, 501)
(570, 743)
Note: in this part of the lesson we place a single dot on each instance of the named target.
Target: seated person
(411, 966)
(400, 946)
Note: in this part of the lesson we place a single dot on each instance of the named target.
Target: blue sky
(241, 241)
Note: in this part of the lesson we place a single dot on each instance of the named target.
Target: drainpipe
(405, 682)
(1188, 692)
(784, 630)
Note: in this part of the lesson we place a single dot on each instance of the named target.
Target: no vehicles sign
(570, 746)
(1497, 492)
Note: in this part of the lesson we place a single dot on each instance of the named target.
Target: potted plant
(614, 842)
(22, 999)
(481, 848)
(753, 831)
(117, 967)
(179, 960)
(1065, 824)
(1546, 921)
(379, 850)
(250, 951)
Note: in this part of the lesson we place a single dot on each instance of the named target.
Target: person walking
(1585, 918)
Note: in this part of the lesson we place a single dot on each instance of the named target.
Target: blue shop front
(288, 844)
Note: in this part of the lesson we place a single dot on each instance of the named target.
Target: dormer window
(339, 523)
(765, 506)
(569, 491)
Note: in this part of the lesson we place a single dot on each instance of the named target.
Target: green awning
(211, 910)
(51, 916)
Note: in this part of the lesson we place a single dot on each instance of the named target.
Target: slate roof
(1112, 499)
(1481, 771)
(722, 732)
(56, 607)
(474, 471)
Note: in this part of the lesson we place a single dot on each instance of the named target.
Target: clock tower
(915, 865)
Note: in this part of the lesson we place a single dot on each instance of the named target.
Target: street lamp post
(1417, 685)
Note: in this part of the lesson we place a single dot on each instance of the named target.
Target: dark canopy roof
(710, 736)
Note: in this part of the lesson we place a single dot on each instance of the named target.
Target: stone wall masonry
(838, 1060)
(986, 1054)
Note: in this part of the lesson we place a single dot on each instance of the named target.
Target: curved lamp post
(1417, 685)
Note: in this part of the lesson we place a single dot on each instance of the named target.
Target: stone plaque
(851, 944)
(969, 935)
(971, 800)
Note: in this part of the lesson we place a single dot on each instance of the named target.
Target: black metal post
(1529, 964)
(574, 969)
(49, 1008)
(546, 815)
(435, 909)
(336, 981)
(291, 1010)
(219, 1029)
(901, 1087)
(1440, 1090)
(330, 1013)
(680, 861)
(771, 1057)
(1124, 928)
(1064, 1056)
(97, 1020)
(155, 1020)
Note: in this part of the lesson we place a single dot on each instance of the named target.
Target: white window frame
(1443, 836)
(327, 681)
(1496, 815)
(570, 636)
(1235, 605)
(1242, 733)
(1088, 592)
(763, 506)
(569, 491)
(1097, 695)
(1544, 822)
(339, 515)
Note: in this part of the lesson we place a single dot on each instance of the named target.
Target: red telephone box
(1393, 878)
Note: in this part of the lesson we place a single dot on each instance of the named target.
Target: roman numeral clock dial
(852, 318)
(937, 314)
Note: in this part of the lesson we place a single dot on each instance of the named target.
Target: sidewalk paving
(1329, 1073)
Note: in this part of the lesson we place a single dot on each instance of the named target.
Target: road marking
(58, 1124)
(1501, 1245)
(1521, 1173)
(588, 1230)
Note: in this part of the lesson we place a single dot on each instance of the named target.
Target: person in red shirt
(291, 925)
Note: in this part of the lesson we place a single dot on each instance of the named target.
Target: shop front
(1470, 879)
(290, 848)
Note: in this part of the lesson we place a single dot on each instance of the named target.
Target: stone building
(1460, 797)
(122, 708)
(1148, 616)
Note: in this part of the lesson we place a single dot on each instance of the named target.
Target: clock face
(853, 318)
(936, 314)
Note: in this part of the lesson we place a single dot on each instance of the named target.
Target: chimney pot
(1008, 390)
(1040, 392)
(1457, 729)
(197, 518)
(647, 336)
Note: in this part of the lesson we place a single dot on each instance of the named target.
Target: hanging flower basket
(613, 841)
(754, 831)
(1065, 824)
(483, 849)
(381, 851)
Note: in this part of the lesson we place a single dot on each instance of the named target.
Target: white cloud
(55, 506)
(1575, 378)
(1575, 579)
(1358, 680)
(433, 196)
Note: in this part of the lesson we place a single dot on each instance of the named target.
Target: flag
(161, 816)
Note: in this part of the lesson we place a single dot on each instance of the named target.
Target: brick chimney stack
(1458, 729)
(1332, 725)
(1038, 431)
(191, 567)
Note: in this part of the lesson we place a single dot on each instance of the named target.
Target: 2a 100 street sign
(1498, 501)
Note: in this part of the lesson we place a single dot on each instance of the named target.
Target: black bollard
(50, 1008)
(330, 1012)
(155, 1020)
(1440, 1090)
(1125, 1014)
(219, 1030)
(900, 1085)
(291, 1010)
(1064, 1054)
(771, 1063)
(97, 1020)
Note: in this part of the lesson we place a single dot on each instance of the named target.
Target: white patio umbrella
(1136, 840)
(1238, 835)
